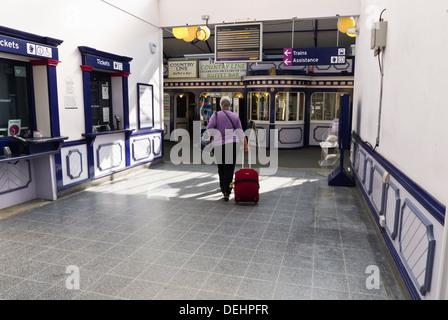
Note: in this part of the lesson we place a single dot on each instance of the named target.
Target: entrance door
(183, 111)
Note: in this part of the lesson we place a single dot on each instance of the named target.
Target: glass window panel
(330, 105)
(301, 106)
(317, 106)
(280, 106)
(166, 106)
(14, 100)
(101, 100)
(293, 107)
(325, 106)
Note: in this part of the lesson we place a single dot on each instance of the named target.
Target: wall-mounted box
(378, 36)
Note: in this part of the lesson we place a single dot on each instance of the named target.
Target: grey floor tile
(211, 250)
(158, 273)
(129, 269)
(102, 264)
(285, 291)
(201, 263)
(221, 283)
(109, 285)
(329, 265)
(189, 278)
(328, 252)
(77, 258)
(173, 259)
(140, 290)
(185, 247)
(58, 293)
(207, 295)
(240, 254)
(297, 261)
(262, 272)
(256, 289)
(296, 276)
(330, 281)
(328, 294)
(171, 292)
(25, 290)
(51, 255)
(27, 269)
(51, 274)
(88, 295)
(268, 257)
(119, 251)
(145, 255)
(231, 267)
(7, 282)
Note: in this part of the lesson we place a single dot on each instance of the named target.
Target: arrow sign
(286, 53)
(314, 56)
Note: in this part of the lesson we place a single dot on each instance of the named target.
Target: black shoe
(226, 197)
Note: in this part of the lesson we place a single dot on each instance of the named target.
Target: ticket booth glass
(101, 101)
(15, 97)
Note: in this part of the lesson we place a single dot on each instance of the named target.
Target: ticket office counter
(30, 138)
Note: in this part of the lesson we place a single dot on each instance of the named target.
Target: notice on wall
(105, 92)
(210, 70)
(106, 114)
(14, 127)
(236, 105)
(183, 69)
(69, 98)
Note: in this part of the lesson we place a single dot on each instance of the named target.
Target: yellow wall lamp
(347, 25)
(188, 34)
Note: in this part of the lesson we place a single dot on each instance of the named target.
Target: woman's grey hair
(225, 103)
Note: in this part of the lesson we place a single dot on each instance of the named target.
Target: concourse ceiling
(278, 34)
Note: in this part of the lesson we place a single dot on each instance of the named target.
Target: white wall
(120, 27)
(181, 12)
(414, 111)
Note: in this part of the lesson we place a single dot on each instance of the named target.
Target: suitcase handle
(249, 158)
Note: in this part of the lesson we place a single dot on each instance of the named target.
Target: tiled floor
(165, 233)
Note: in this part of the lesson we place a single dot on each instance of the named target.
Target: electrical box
(378, 36)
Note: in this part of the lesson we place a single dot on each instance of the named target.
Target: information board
(239, 42)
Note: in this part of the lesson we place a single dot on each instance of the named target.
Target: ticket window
(16, 110)
(101, 101)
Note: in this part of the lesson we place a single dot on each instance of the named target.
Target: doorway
(184, 110)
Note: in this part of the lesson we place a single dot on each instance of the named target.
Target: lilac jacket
(221, 122)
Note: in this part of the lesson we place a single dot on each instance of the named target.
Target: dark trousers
(226, 165)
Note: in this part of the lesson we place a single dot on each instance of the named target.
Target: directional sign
(314, 56)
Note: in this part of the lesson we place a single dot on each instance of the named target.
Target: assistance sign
(314, 56)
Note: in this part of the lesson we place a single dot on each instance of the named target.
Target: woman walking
(225, 148)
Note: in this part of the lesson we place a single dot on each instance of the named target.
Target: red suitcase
(246, 186)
